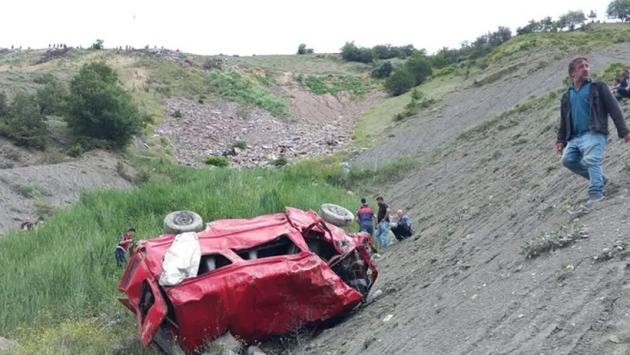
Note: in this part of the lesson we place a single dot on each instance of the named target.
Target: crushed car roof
(223, 236)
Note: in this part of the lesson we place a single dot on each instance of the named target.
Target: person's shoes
(594, 199)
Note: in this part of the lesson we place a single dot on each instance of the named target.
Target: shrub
(350, 52)
(382, 70)
(23, 123)
(220, 161)
(303, 50)
(419, 67)
(51, 96)
(400, 82)
(101, 113)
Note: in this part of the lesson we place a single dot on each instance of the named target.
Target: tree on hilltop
(619, 9)
(572, 19)
(303, 50)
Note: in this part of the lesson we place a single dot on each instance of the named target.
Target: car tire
(179, 222)
(336, 215)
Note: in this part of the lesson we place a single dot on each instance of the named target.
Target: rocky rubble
(52, 54)
(205, 129)
(175, 55)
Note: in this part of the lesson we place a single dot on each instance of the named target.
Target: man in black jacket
(584, 110)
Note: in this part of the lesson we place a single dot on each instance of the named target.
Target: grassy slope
(46, 267)
(67, 269)
(544, 48)
(152, 78)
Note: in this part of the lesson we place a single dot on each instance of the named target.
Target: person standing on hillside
(584, 110)
(366, 218)
(382, 220)
(123, 245)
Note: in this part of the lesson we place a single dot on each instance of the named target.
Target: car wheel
(335, 214)
(183, 221)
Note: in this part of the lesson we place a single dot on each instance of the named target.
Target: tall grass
(56, 277)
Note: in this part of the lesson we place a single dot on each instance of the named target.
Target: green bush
(382, 70)
(220, 161)
(419, 67)
(51, 97)
(101, 113)
(23, 123)
(303, 50)
(400, 82)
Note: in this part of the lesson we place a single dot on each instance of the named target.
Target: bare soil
(30, 187)
(462, 285)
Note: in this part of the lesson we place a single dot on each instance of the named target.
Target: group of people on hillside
(367, 220)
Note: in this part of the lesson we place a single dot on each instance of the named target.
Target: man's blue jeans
(367, 227)
(382, 234)
(583, 156)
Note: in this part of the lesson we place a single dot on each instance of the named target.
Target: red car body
(273, 273)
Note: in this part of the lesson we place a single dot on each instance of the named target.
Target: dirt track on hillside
(463, 287)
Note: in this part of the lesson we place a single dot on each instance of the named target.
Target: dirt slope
(34, 190)
(463, 287)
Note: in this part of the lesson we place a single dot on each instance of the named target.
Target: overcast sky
(247, 27)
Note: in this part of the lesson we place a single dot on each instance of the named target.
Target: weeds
(231, 85)
(550, 241)
(220, 162)
(30, 190)
(352, 85)
(418, 101)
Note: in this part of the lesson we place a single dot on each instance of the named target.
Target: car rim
(183, 219)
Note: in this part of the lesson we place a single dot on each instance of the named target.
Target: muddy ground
(32, 187)
(462, 285)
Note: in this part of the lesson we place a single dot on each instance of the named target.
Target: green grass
(320, 85)
(376, 121)
(66, 271)
(564, 42)
(231, 85)
(316, 64)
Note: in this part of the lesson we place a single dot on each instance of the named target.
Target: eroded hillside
(489, 191)
(258, 110)
(481, 181)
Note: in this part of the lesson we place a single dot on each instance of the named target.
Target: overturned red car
(254, 278)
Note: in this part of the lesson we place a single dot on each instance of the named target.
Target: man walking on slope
(584, 110)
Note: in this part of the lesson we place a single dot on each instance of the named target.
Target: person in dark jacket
(584, 110)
